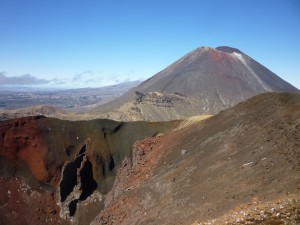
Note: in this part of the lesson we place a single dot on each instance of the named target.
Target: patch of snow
(242, 60)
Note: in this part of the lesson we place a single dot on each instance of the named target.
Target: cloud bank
(86, 78)
(25, 79)
(90, 78)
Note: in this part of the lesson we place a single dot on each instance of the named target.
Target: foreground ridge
(240, 167)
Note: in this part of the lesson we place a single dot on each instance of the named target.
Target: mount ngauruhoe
(205, 81)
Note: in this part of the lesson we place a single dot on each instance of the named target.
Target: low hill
(71, 104)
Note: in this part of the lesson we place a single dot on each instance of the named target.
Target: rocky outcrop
(160, 99)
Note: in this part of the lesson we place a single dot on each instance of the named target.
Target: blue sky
(97, 43)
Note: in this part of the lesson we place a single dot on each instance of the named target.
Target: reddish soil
(21, 204)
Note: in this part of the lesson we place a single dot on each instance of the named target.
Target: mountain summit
(224, 72)
(204, 81)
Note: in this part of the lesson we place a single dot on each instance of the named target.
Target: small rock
(273, 210)
(183, 151)
(249, 164)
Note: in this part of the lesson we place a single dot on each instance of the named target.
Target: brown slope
(241, 167)
(45, 110)
(207, 80)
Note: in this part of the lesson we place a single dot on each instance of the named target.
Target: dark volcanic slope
(204, 81)
(36, 151)
(241, 166)
(222, 71)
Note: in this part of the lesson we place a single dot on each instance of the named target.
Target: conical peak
(207, 66)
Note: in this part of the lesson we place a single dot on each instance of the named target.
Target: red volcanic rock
(21, 141)
(145, 155)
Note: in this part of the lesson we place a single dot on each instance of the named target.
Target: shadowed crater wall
(69, 177)
(77, 180)
(88, 184)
